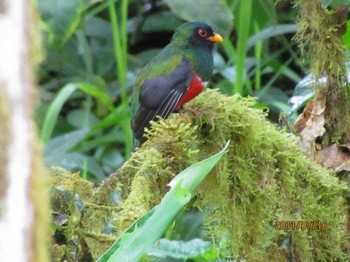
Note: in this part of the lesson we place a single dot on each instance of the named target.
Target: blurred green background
(94, 50)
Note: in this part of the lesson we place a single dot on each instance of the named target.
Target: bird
(174, 77)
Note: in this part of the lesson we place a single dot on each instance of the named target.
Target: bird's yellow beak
(216, 38)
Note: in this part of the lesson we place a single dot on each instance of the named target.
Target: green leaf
(114, 136)
(264, 12)
(188, 225)
(61, 18)
(346, 36)
(141, 236)
(216, 13)
(244, 23)
(160, 22)
(112, 160)
(271, 31)
(57, 153)
(195, 249)
(275, 98)
(98, 27)
(63, 143)
(81, 118)
(118, 115)
(57, 104)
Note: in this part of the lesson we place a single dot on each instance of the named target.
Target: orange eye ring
(202, 32)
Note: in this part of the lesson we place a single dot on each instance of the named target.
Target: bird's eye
(202, 32)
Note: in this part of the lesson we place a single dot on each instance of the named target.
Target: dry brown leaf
(334, 156)
(311, 125)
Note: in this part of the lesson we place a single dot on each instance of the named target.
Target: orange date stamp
(301, 225)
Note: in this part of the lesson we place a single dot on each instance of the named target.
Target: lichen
(263, 178)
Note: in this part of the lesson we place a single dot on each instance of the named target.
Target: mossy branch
(262, 179)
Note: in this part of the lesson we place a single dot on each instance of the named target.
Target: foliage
(133, 243)
(195, 250)
(92, 43)
(94, 51)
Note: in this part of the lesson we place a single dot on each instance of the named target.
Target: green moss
(84, 227)
(83, 188)
(262, 178)
(319, 34)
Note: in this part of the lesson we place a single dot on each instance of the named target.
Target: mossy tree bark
(263, 178)
(23, 205)
(325, 123)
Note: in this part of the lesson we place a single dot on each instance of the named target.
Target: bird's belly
(194, 90)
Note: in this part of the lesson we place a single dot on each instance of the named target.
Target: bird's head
(196, 34)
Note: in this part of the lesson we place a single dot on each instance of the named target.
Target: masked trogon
(174, 76)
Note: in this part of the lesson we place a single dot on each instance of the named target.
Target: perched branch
(262, 180)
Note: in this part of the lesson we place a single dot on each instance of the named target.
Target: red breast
(194, 90)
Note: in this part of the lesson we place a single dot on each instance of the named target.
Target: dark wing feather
(160, 95)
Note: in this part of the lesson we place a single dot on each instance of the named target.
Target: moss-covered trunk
(326, 121)
(23, 202)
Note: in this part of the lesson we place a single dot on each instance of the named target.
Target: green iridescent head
(195, 34)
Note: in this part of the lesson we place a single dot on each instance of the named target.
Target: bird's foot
(188, 113)
(187, 118)
(190, 110)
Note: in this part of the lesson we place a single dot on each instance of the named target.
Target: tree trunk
(325, 123)
(23, 205)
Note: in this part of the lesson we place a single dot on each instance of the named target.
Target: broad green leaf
(264, 12)
(188, 225)
(275, 98)
(61, 18)
(141, 236)
(63, 143)
(80, 118)
(117, 115)
(195, 249)
(243, 31)
(160, 22)
(58, 153)
(112, 160)
(114, 136)
(57, 104)
(98, 27)
(271, 31)
(216, 13)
